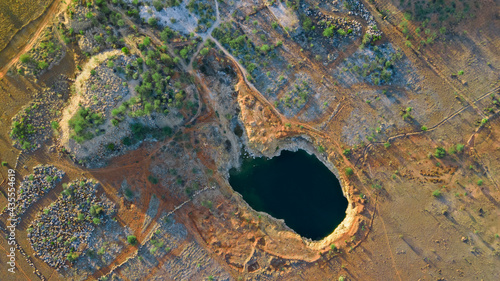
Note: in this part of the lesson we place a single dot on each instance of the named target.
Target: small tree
(152, 21)
(436, 193)
(25, 58)
(440, 152)
(132, 240)
(125, 50)
(184, 53)
(328, 32)
(204, 51)
(349, 172)
(54, 125)
(43, 65)
(265, 48)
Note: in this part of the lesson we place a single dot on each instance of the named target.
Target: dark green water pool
(296, 187)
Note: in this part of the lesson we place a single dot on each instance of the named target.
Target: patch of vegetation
(128, 193)
(48, 50)
(205, 11)
(83, 122)
(349, 172)
(132, 240)
(22, 130)
(436, 193)
(298, 96)
(140, 132)
(440, 152)
(152, 179)
(376, 66)
(250, 54)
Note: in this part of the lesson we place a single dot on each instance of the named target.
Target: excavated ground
(410, 216)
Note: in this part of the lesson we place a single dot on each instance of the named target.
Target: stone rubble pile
(358, 9)
(339, 22)
(105, 89)
(60, 234)
(35, 186)
(48, 49)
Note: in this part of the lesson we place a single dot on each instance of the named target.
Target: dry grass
(15, 14)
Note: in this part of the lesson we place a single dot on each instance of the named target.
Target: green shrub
(71, 257)
(152, 179)
(83, 120)
(480, 182)
(132, 240)
(440, 152)
(152, 21)
(347, 152)
(96, 210)
(25, 58)
(265, 48)
(204, 51)
(54, 125)
(460, 147)
(328, 32)
(128, 193)
(127, 141)
(43, 65)
(349, 172)
(110, 146)
(436, 193)
(4, 163)
(306, 23)
(184, 53)
(452, 150)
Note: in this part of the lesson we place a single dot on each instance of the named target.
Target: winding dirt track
(46, 17)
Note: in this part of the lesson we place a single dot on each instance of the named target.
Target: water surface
(296, 187)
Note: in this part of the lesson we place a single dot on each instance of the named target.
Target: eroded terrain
(121, 120)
